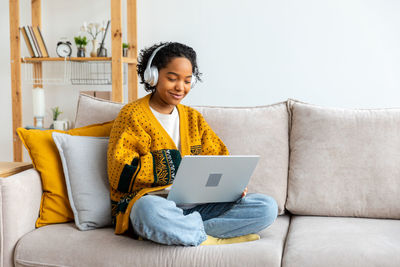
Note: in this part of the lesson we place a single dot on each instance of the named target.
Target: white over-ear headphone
(151, 72)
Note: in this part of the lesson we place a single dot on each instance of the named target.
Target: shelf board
(42, 59)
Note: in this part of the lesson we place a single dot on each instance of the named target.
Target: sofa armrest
(20, 196)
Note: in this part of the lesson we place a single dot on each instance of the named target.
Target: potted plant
(81, 42)
(125, 48)
(56, 112)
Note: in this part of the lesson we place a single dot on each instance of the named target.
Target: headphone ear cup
(154, 76)
(193, 81)
(147, 75)
(151, 76)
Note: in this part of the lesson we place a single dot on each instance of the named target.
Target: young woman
(147, 142)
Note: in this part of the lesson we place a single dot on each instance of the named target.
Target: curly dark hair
(163, 57)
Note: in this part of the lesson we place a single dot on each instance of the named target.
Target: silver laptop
(207, 179)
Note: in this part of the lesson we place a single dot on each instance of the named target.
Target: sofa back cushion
(344, 162)
(257, 131)
(92, 110)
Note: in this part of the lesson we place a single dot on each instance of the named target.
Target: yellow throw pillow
(54, 206)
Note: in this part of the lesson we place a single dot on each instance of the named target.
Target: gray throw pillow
(84, 161)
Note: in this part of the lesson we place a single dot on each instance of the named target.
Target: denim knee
(147, 208)
(159, 220)
(267, 211)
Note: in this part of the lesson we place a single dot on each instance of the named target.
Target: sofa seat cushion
(65, 245)
(342, 241)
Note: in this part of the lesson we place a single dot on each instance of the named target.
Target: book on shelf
(46, 52)
(27, 42)
(35, 42)
(31, 41)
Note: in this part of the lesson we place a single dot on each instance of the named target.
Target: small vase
(125, 51)
(102, 52)
(94, 48)
(81, 52)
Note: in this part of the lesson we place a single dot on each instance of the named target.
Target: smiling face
(172, 86)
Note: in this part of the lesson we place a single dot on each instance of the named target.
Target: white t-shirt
(170, 123)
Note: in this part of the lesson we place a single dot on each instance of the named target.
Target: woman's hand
(244, 192)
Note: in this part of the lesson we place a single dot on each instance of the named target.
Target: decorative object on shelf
(58, 124)
(56, 112)
(94, 48)
(62, 125)
(64, 49)
(102, 51)
(81, 52)
(39, 107)
(93, 29)
(81, 43)
(125, 49)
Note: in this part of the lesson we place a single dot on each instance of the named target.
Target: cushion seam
(34, 263)
(295, 101)
(289, 107)
(286, 239)
(246, 107)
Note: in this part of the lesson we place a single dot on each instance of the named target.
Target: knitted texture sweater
(143, 158)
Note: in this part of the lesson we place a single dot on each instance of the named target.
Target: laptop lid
(208, 179)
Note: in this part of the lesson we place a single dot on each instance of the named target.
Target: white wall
(334, 53)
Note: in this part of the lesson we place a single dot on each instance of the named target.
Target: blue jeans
(160, 220)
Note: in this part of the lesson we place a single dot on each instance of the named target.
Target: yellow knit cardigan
(143, 158)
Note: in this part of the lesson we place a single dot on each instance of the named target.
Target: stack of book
(34, 41)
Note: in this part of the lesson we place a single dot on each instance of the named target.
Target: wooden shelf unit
(117, 60)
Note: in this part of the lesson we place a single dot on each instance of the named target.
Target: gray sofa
(335, 174)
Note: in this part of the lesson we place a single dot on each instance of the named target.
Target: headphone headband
(153, 55)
